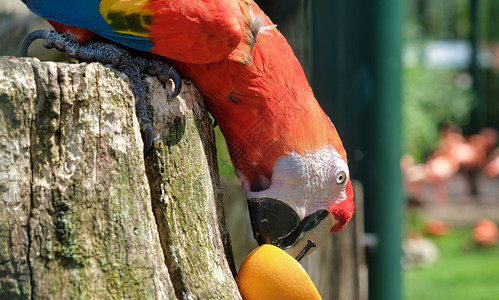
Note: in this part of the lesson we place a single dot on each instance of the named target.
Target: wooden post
(82, 214)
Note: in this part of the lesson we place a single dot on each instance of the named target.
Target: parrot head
(307, 195)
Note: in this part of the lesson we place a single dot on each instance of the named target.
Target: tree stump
(82, 213)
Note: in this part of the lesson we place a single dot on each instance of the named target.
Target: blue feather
(86, 14)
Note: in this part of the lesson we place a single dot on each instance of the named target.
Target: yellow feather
(114, 12)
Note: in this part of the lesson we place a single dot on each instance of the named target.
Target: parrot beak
(275, 222)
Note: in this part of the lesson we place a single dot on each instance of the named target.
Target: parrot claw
(119, 59)
(147, 137)
(35, 35)
(164, 73)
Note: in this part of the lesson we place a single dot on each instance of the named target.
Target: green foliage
(225, 167)
(441, 19)
(462, 272)
(431, 98)
(444, 19)
(489, 14)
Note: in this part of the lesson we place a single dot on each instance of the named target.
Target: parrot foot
(119, 59)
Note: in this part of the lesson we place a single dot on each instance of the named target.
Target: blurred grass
(463, 271)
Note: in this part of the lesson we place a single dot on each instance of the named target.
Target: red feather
(252, 82)
(195, 31)
(81, 34)
(263, 104)
(343, 211)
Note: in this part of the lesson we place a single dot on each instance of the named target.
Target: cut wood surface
(82, 213)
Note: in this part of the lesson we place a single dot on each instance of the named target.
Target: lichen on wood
(76, 209)
(182, 192)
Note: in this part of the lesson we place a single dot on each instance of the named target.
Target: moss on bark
(76, 219)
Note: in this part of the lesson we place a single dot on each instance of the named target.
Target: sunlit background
(414, 92)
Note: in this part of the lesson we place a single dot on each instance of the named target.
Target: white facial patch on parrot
(308, 183)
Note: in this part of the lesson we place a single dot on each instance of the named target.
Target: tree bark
(82, 213)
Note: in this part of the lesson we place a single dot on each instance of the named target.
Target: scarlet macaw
(285, 150)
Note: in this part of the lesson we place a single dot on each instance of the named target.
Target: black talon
(35, 35)
(147, 138)
(172, 73)
(163, 72)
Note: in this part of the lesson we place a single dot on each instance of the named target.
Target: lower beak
(275, 222)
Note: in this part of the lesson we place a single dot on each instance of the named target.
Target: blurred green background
(441, 83)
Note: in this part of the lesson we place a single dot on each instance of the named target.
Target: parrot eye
(341, 177)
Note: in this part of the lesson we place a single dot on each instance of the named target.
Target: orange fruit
(270, 273)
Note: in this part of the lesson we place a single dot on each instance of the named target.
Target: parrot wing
(192, 31)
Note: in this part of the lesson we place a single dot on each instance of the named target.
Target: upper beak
(275, 222)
